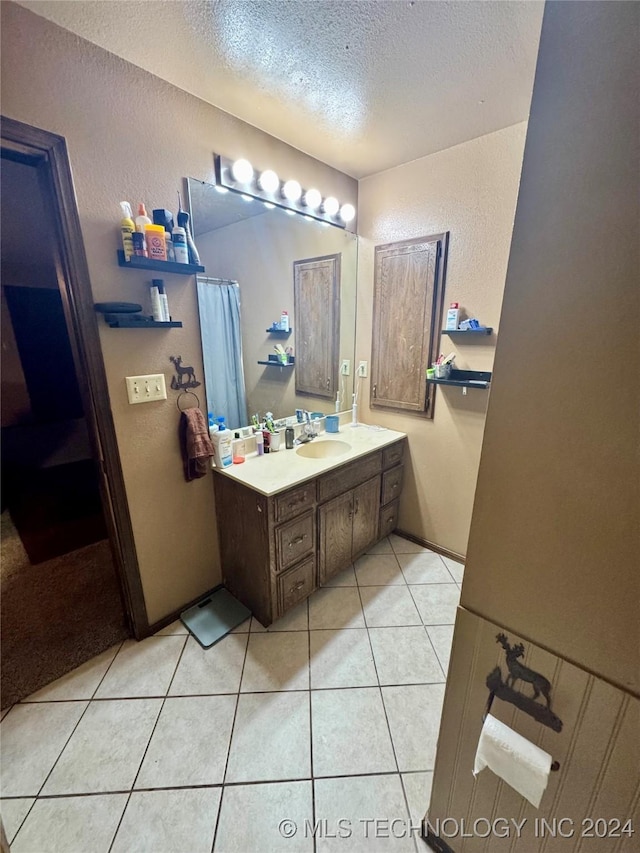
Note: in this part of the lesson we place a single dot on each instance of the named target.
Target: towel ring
(184, 394)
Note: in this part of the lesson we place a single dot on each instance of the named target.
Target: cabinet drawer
(295, 540)
(294, 502)
(349, 476)
(392, 484)
(392, 455)
(295, 585)
(388, 519)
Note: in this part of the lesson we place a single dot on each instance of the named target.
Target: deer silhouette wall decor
(185, 376)
(517, 672)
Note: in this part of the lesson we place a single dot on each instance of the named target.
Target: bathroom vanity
(289, 522)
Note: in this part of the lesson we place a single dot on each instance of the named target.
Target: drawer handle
(390, 519)
(298, 586)
(297, 540)
(395, 486)
(297, 501)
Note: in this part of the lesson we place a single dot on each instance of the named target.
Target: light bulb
(312, 199)
(331, 205)
(242, 171)
(292, 190)
(268, 181)
(347, 212)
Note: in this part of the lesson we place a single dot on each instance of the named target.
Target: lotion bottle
(142, 220)
(127, 227)
(221, 440)
(180, 248)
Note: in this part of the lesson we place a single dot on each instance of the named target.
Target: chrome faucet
(309, 431)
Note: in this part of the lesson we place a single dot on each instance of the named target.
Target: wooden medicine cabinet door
(407, 316)
(316, 292)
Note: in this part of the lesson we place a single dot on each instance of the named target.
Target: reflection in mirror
(275, 262)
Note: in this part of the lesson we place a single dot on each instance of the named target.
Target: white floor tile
(250, 817)
(405, 656)
(80, 683)
(386, 606)
(414, 719)
(442, 637)
(142, 669)
(381, 547)
(351, 805)
(378, 570)
(169, 821)
(214, 670)
(401, 545)
(341, 659)
(295, 620)
(425, 567)
(271, 738)
(418, 790)
(278, 661)
(243, 627)
(105, 751)
(13, 813)
(32, 737)
(335, 608)
(344, 578)
(71, 825)
(190, 743)
(350, 733)
(456, 569)
(175, 629)
(437, 602)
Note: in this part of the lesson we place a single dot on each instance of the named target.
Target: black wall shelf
(274, 362)
(461, 333)
(465, 379)
(138, 263)
(125, 323)
(280, 333)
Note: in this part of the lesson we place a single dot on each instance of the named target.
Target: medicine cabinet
(407, 317)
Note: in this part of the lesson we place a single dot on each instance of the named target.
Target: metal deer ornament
(185, 376)
(517, 672)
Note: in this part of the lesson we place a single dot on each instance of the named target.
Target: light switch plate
(345, 367)
(362, 368)
(146, 389)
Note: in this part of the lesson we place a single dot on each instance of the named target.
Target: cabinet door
(366, 507)
(335, 522)
(407, 315)
(316, 291)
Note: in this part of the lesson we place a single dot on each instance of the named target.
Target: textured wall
(554, 545)
(471, 191)
(132, 136)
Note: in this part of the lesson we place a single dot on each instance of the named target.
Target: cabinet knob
(297, 586)
(297, 540)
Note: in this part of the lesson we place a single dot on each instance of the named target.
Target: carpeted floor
(54, 615)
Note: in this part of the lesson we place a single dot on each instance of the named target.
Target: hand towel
(195, 444)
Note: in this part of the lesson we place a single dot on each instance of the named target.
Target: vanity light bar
(241, 177)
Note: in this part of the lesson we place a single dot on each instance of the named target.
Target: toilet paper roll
(522, 764)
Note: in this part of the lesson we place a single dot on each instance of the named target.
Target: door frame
(48, 153)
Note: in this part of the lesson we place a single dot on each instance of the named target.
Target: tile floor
(328, 719)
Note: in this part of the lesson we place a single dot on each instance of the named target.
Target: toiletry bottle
(142, 220)
(259, 442)
(156, 303)
(180, 249)
(164, 302)
(266, 437)
(213, 426)
(127, 227)
(221, 440)
(156, 245)
(284, 321)
(183, 222)
(139, 244)
(237, 449)
(289, 438)
(453, 315)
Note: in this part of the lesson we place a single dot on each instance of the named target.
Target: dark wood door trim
(48, 152)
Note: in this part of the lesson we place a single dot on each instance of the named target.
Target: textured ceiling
(361, 85)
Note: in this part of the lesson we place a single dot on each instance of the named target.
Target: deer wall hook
(518, 672)
(185, 376)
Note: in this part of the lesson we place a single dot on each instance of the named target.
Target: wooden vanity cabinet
(276, 550)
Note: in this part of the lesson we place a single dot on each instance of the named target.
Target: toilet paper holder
(555, 765)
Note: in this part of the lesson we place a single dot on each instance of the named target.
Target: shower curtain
(219, 309)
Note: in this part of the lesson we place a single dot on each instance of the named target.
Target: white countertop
(276, 472)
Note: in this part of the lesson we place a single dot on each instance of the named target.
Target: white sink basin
(323, 449)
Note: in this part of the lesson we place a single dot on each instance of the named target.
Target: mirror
(281, 262)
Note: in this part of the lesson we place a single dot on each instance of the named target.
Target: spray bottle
(127, 227)
(183, 222)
